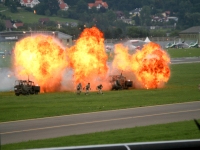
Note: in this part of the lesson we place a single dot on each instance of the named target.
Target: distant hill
(30, 17)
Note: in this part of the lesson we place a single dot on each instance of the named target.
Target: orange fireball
(41, 59)
(150, 65)
(88, 57)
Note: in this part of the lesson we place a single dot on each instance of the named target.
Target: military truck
(25, 87)
(119, 82)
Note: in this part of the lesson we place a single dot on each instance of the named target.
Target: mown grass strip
(182, 87)
(176, 53)
(30, 17)
(164, 132)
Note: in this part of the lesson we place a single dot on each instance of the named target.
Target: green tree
(81, 6)
(47, 12)
(137, 20)
(117, 33)
(2, 25)
(108, 34)
(40, 8)
(145, 14)
(111, 15)
(12, 5)
(53, 6)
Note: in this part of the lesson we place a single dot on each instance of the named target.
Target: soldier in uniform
(99, 88)
(87, 89)
(79, 88)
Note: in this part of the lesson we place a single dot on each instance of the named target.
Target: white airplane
(134, 44)
(194, 44)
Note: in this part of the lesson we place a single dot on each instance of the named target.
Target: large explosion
(41, 59)
(88, 57)
(150, 65)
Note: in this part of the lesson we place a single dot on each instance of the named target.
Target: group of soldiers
(87, 89)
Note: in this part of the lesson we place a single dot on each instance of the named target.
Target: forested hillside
(187, 13)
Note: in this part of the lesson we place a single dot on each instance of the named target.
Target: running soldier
(78, 89)
(87, 89)
(99, 88)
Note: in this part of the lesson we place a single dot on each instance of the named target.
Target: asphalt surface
(18, 131)
(185, 60)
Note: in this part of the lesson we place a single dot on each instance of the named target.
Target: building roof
(90, 4)
(63, 5)
(8, 24)
(18, 25)
(27, 1)
(104, 4)
(44, 19)
(98, 2)
(195, 29)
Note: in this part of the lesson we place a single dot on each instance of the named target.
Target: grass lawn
(175, 53)
(30, 17)
(182, 87)
(164, 132)
(2, 8)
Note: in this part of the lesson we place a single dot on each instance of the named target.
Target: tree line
(107, 20)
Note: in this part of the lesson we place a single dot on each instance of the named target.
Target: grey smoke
(7, 79)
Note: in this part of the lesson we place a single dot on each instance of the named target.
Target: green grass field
(192, 52)
(30, 17)
(182, 87)
(164, 132)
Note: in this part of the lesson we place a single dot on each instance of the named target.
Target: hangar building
(8, 39)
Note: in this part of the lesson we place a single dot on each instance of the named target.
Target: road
(24, 130)
(185, 60)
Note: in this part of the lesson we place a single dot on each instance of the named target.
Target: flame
(42, 59)
(150, 65)
(88, 57)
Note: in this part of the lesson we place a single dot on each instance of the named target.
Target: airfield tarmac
(34, 129)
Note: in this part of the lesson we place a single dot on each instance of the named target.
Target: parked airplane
(170, 45)
(181, 45)
(194, 44)
(134, 44)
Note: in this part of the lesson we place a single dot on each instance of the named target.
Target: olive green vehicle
(25, 87)
(120, 82)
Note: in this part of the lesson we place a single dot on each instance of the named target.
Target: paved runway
(185, 60)
(18, 131)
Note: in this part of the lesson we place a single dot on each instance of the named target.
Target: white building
(29, 3)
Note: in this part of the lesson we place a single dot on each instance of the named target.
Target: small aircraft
(134, 44)
(181, 45)
(171, 45)
(194, 44)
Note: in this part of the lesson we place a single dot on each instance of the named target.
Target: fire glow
(150, 65)
(88, 57)
(42, 59)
